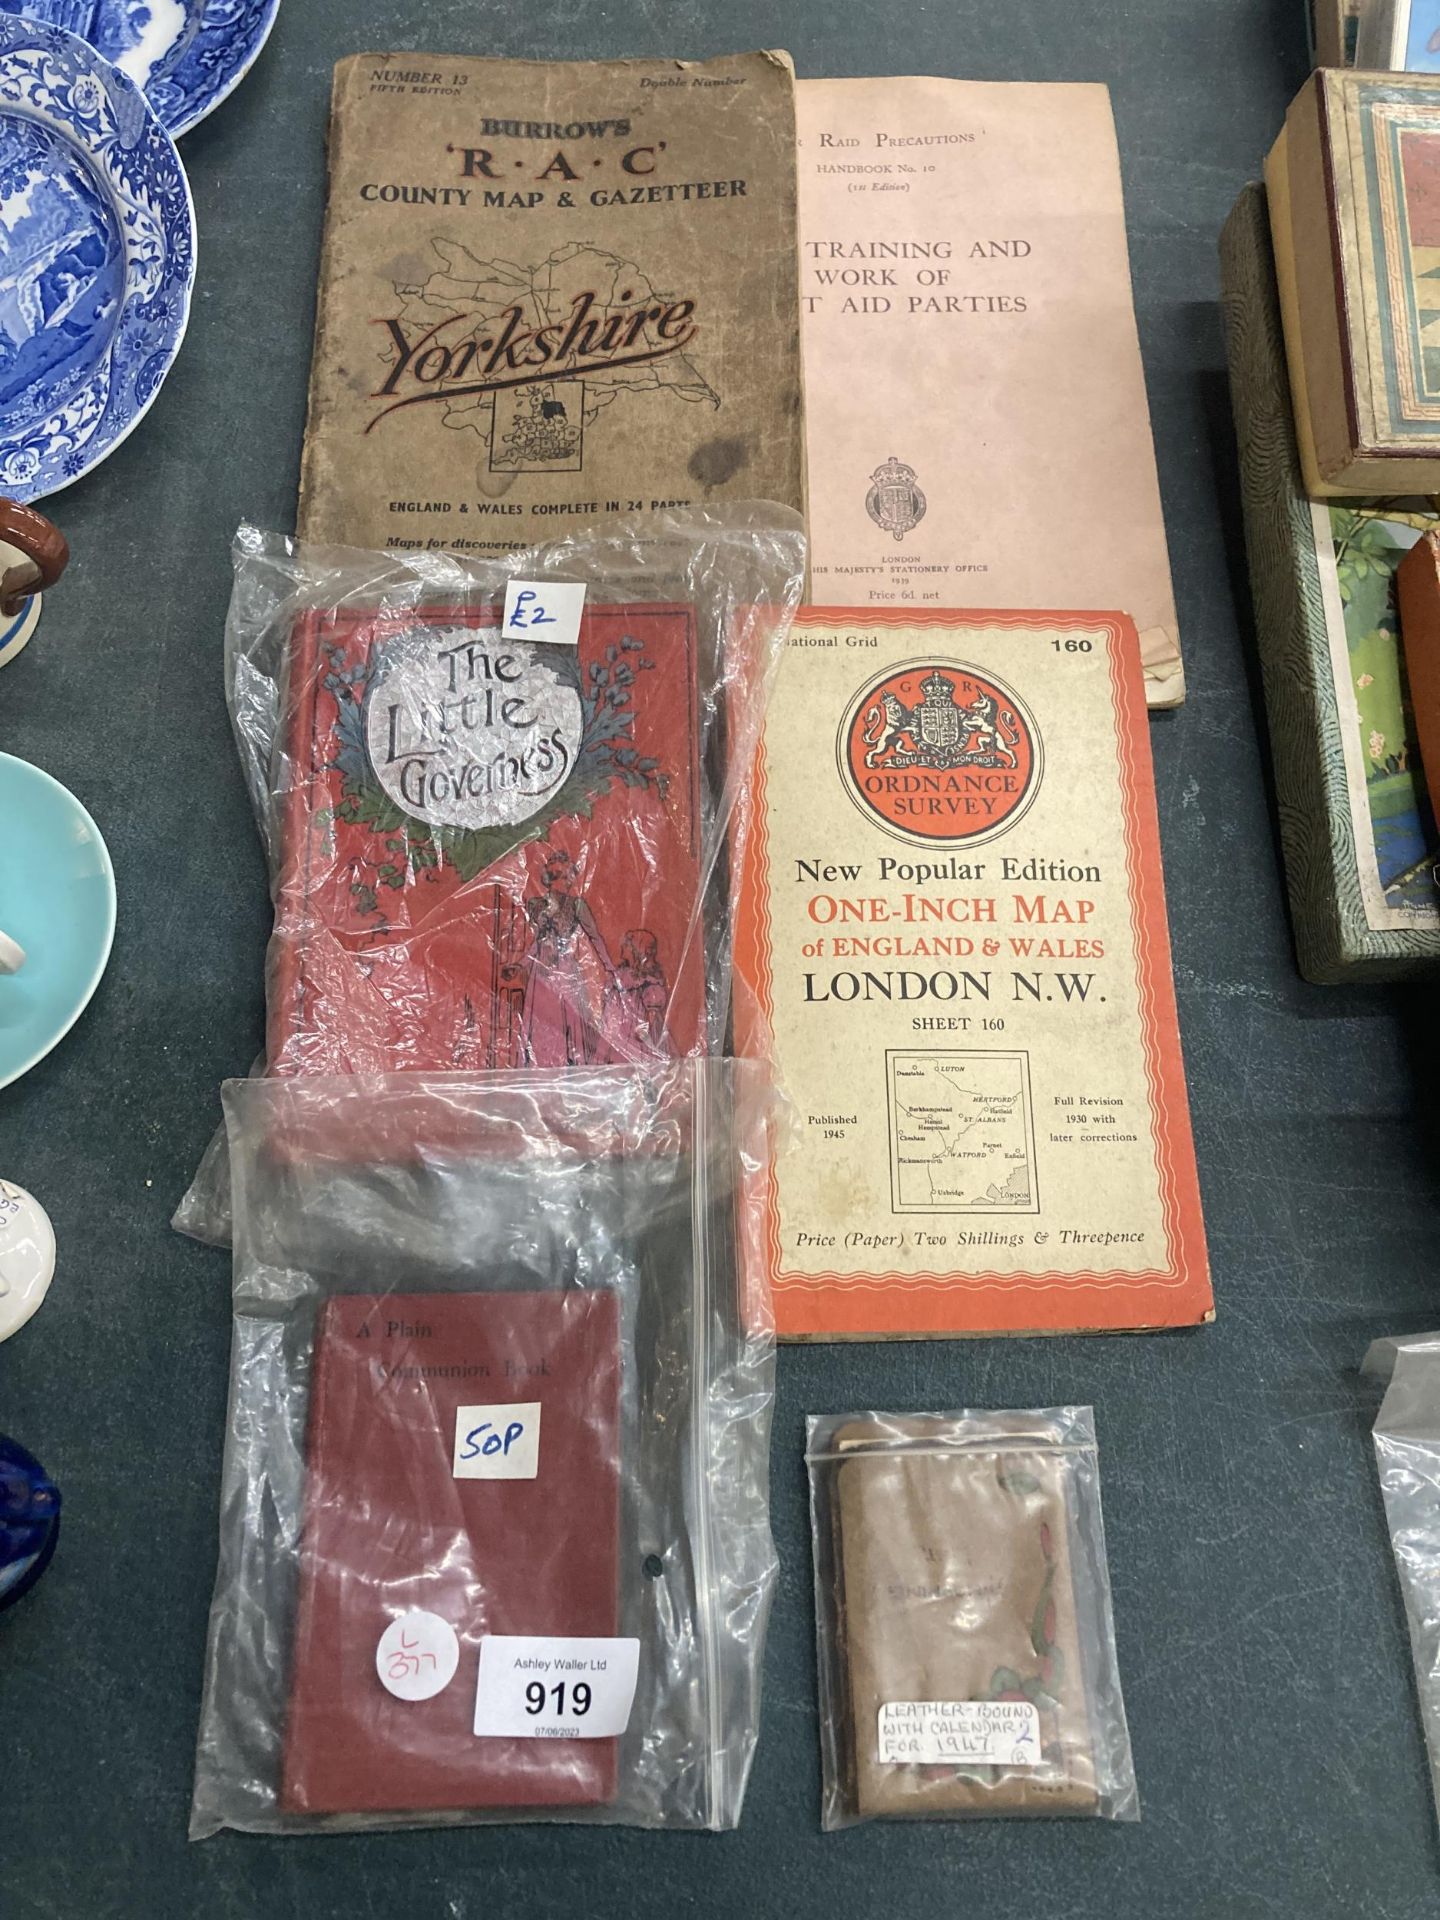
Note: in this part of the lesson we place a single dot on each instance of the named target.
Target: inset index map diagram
(962, 1139)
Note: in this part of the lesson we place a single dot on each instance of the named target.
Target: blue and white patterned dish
(97, 257)
(184, 55)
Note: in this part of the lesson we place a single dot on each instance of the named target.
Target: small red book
(489, 850)
(462, 1464)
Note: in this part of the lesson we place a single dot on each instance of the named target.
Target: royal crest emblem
(940, 732)
(894, 502)
(937, 754)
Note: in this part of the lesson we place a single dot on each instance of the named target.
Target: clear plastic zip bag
(965, 1639)
(490, 852)
(494, 1529)
(1407, 1452)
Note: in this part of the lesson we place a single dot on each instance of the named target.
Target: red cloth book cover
(489, 849)
(392, 1524)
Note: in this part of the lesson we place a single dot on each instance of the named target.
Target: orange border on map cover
(870, 1305)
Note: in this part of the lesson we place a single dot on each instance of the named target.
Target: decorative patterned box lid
(1355, 209)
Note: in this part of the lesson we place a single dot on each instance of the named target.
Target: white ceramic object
(15, 632)
(27, 1257)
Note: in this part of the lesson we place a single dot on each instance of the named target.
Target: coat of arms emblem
(938, 731)
(939, 751)
(894, 502)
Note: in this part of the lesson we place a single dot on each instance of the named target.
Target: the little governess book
(545, 925)
(952, 926)
(551, 291)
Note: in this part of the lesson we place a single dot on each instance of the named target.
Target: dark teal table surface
(1261, 1643)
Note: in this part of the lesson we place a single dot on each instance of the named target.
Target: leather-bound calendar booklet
(549, 292)
(462, 1480)
(976, 412)
(966, 1648)
(952, 930)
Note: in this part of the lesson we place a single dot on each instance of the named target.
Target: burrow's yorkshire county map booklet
(952, 931)
(550, 292)
(978, 427)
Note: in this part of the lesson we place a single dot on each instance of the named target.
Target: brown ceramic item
(44, 547)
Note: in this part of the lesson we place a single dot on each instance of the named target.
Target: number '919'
(579, 1697)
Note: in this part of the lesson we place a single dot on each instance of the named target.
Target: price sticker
(497, 1443)
(545, 610)
(417, 1655)
(545, 1687)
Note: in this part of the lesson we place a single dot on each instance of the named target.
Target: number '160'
(579, 1697)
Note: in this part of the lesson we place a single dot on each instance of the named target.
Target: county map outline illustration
(531, 424)
(961, 1133)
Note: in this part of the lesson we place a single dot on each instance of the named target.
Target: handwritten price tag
(417, 1655)
(549, 1687)
(497, 1443)
(547, 610)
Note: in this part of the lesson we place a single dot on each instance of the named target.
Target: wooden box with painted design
(1354, 202)
(1357, 832)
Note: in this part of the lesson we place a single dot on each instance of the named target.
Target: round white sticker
(465, 729)
(27, 1257)
(417, 1655)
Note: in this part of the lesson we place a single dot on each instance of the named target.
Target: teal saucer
(57, 898)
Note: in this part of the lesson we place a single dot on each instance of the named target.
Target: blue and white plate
(184, 55)
(97, 257)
